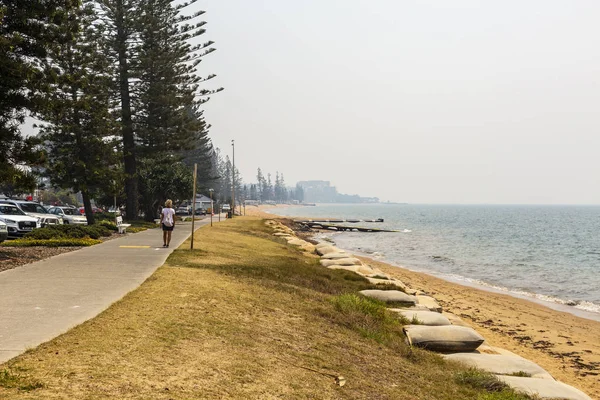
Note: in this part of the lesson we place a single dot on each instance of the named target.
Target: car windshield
(10, 210)
(33, 208)
(70, 211)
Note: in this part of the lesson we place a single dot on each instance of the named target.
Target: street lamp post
(212, 206)
(233, 179)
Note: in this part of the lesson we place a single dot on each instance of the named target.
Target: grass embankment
(244, 316)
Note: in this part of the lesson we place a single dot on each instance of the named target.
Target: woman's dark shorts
(167, 228)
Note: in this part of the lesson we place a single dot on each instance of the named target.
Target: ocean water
(550, 254)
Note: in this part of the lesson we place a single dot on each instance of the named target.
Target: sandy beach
(565, 345)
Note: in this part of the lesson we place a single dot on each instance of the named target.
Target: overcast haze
(412, 101)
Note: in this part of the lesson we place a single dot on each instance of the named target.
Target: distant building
(318, 192)
(323, 192)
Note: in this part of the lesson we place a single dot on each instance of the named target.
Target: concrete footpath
(42, 300)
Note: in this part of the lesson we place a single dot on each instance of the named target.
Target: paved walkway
(42, 300)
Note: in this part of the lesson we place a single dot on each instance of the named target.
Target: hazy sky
(412, 101)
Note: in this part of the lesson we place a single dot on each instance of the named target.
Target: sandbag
(544, 388)
(445, 339)
(333, 256)
(341, 261)
(390, 296)
(429, 302)
(414, 292)
(323, 244)
(281, 234)
(328, 249)
(430, 318)
(365, 270)
(352, 268)
(500, 364)
(392, 282)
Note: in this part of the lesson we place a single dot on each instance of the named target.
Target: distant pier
(341, 228)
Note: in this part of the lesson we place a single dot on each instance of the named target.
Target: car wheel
(66, 222)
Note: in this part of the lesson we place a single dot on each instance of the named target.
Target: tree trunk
(87, 206)
(129, 159)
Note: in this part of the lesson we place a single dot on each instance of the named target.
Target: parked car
(35, 210)
(200, 211)
(69, 215)
(17, 222)
(225, 207)
(94, 210)
(183, 210)
(3, 232)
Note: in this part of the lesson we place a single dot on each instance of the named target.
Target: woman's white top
(168, 215)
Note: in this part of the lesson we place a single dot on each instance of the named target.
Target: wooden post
(194, 206)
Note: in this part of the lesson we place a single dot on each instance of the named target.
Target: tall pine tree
(27, 29)
(79, 130)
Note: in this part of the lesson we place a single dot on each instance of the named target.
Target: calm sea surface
(547, 253)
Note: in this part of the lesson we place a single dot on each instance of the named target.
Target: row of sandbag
(448, 334)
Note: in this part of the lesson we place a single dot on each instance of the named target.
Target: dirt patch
(13, 257)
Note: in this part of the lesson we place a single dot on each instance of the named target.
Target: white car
(69, 215)
(35, 210)
(3, 232)
(17, 222)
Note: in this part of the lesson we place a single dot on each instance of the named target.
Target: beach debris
(544, 388)
(500, 364)
(390, 296)
(444, 339)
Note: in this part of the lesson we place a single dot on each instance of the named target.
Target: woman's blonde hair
(169, 203)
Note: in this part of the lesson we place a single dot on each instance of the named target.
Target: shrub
(108, 224)
(68, 231)
(370, 317)
(63, 242)
(9, 380)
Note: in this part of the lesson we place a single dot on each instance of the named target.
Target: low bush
(9, 380)
(108, 224)
(64, 242)
(68, 232)
(370, 317)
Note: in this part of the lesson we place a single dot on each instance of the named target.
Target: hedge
(69, 232)
(51, 242)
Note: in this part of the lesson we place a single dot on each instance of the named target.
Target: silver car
(35, 210)
(3, 232)
(69, 215)
(17, 222)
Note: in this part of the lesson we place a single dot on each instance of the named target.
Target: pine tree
(269, 187)
(79, 126)
(260, 179)
(27, 28)
(118, 24)
(253, 192)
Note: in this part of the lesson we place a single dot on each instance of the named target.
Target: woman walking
(167, 220)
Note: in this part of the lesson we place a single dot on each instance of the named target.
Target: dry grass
(243, 317)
